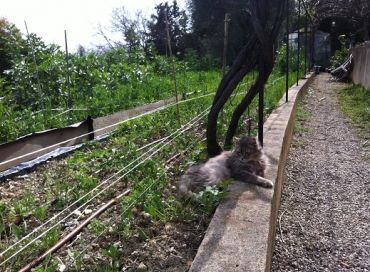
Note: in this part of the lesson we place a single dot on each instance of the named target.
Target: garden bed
(152, 218)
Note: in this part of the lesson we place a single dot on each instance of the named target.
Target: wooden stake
(69, 104)
(287, 53)
(224, 59)
(35, 63)
(173, 66)
(226, 38)
(299, 40)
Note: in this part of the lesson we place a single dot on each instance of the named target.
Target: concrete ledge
(241, 234)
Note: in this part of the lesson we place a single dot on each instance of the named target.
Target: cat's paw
(268, 184)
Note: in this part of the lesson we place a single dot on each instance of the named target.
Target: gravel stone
(324, 217)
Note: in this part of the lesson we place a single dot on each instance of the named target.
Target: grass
(302, 116)
(355, 103)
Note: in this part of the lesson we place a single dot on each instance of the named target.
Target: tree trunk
(264, 70)
(366, 30)
(213, 147)
(258, 52)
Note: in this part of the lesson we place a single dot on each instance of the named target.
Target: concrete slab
(241, 234)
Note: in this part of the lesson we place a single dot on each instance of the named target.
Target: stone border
(241, 234)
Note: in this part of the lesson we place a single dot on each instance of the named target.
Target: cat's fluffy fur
(246, 163)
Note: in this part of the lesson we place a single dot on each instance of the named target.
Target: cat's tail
(189, 181)
(183, 186)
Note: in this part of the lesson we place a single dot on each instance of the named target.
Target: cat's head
(247, 147)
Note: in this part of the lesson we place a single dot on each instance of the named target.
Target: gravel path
(324, 216)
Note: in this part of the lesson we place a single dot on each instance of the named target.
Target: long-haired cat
(246, 163)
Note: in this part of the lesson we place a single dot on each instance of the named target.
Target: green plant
(18, 231)
(280, 62)
(76, 256)
(3, 211)
(209, 199)
(113, 253)
(50, 239)
(354, 102)
(48, 265)
(340, 55)
(41, 213)
(97, 226)
(25, 206)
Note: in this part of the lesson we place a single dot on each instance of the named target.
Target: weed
(355, 103)
(209, 199)
(41, 213)
(50, 239)
(97, 226)
(113, 253)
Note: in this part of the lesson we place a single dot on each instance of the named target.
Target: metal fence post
(287, 53)
(260, 114)
(299, 40)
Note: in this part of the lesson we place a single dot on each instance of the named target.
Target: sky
(80, 18)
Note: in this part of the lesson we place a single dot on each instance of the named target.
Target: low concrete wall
(361, 69)
(241, 234)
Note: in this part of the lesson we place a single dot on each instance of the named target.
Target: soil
(324, 218)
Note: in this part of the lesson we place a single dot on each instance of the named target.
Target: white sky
(49, 18)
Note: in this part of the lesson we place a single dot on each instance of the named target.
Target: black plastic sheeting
(31, 165)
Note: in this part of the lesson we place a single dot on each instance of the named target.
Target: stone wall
(361, 69)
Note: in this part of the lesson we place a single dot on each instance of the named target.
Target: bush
(280, 62)
(340, 55)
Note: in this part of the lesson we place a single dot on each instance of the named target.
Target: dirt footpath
(324, 218)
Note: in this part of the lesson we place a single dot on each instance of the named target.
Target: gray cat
(246, 163)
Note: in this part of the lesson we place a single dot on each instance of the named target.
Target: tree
(208, 26)
(10, 39)
(265, 16)
(177, 23)
(133, 30)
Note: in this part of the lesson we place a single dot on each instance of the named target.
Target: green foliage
(18, 231)
(2, 219)
(280, 63)
(41, 213)
(48, 265)
(340, 55)
(177, 27)
(50, 239)
(92, 84)
(24, 206)
(207, 36)
(209, 199)
(10, 37)
(113, 253)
